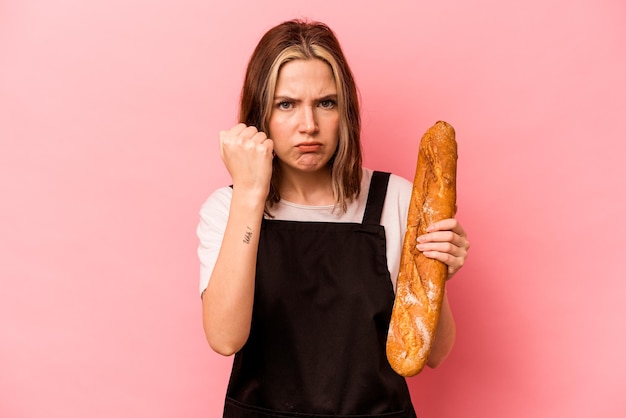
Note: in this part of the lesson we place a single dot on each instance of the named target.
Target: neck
(313, 189)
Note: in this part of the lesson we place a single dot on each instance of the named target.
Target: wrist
(249, 199)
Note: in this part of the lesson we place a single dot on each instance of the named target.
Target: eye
(328, 104)
(284, 105)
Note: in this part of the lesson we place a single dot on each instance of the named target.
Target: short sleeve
(210, 231)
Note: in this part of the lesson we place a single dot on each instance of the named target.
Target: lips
(309, 146)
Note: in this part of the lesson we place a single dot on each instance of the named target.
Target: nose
(308, 120)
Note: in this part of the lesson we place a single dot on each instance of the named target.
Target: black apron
(322, 305)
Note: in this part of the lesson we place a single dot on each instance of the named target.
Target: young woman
(299, 256)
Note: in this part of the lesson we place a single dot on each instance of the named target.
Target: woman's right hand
(247, 155)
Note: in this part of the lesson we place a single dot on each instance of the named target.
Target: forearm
(228, 299)
(444, 336)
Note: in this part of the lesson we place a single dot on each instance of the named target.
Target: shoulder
(399, 185)
(398, 188)
(398, 195)
(214, 210)
(397, 200)
(396, 182)
(218, 200)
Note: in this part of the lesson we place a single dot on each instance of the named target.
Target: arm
(445, 241)
(444, 336)
(228, 298)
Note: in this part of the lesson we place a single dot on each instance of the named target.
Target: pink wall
(109, 113)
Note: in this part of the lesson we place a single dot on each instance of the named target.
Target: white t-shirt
(214, 215)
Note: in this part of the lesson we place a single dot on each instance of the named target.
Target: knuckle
(250, 131)
(240, 127)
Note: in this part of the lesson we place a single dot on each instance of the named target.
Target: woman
(299, 256)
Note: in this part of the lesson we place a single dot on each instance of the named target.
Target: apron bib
(323, 301)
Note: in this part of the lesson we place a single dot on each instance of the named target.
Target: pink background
(109, 117)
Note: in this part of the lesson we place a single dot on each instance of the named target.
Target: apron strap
(376, 198)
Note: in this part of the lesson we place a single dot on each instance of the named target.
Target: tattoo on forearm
(247, 235)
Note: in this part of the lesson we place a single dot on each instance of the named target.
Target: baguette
(421, 280)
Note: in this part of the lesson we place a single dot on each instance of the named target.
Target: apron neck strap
(376, 198)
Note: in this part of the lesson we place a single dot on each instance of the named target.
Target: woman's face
(304, 123)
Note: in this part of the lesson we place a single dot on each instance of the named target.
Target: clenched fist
(247, 155)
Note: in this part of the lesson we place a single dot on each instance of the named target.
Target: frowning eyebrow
(284, 98)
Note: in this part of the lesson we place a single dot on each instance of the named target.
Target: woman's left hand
(447, 242)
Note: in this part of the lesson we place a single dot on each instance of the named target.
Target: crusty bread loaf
(421, 280)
